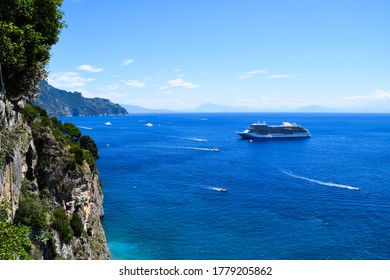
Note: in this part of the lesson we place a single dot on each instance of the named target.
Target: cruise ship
(261, 130)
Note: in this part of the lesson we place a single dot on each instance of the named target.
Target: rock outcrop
(59, 102)
(36, 165)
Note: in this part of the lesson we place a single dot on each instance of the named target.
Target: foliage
(82, 147)
(60, 222)
(28, 29)
(14, 240)
(71, 163)
(32, 210)
(71, 131)
(36, 115)
(77, 224)
(88, 157)
(78, 153)
(87, 143)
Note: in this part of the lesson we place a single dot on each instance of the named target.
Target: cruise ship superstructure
(261, 130)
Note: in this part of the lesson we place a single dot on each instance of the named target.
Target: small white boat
(107, 123)
(221, 189)
(149, 124)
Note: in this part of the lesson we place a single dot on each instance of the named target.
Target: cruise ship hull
(264, 131)
(250, 135)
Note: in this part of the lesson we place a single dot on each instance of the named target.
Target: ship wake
(200, 149)
(215, 189)
(329, 184)
(196, 139)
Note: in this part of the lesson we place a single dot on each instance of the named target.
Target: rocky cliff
(49, 187)
(64, 103)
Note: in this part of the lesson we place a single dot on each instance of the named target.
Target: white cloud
(249, 74)
(68, 80)
(127, 62)
(278, 76)
(179, 82)
(89, 68)
(162, 70)
(378, 95)
(112, 87)
(260, 71)
(245, 100)
(135, 83)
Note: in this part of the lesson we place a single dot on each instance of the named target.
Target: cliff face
(64, 103)
(13, 150)
(44, 187)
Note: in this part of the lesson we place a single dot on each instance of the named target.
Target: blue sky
(253, 53)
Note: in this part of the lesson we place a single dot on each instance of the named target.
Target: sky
(267, 54)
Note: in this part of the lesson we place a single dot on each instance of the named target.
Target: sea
(326, 197)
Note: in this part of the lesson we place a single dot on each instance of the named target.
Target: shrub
(78, 153)
(71, 163)
(87, 143)
(60, 222)
(14, 241)
(77, 224)
(32, 211)
(36, 115)
(71, 131)
(89, 159)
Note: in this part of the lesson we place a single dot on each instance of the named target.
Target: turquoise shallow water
(286, 199)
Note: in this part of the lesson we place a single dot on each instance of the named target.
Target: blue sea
(325, 197)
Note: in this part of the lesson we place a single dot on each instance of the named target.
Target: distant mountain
(217, 108)
(133, 109)
(64, 103)
(317, 109)
(209, 107)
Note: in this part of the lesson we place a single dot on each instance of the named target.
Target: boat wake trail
(200, 149)
(329, 184)
(196, 139)
(215, 189)
(85, 127)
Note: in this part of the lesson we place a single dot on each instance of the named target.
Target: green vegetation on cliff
(28, 29)
(37, 218)
(81, 148)
(50, 193)
(14, 239)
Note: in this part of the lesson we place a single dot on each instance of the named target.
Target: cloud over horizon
(249, 74)
(70, 80)
(127, 62)
(279, 76)
(90, 68)
(378, 95)
(179, 82)
(135, 83)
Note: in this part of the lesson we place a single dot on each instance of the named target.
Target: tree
(87, 143)
(61, 223)
(71, 131)
(28, 29)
